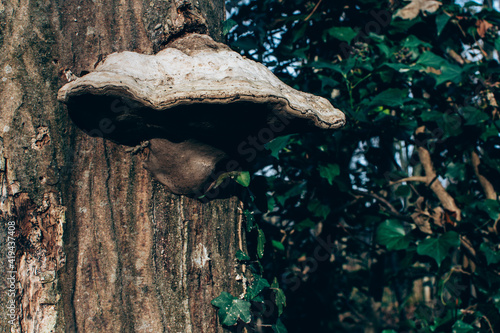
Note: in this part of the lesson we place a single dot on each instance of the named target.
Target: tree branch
(488, 189)
(430, 173)
(392, 211)
(421, 179)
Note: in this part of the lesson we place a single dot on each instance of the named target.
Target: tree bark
(100, 246)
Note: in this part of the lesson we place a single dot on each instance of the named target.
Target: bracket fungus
(197, 102)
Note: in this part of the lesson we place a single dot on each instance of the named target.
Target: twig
(489, 191)
(489, 324)
(457, 57)
(421, 179)
(386, 203)
(314, 10)
(465, 242)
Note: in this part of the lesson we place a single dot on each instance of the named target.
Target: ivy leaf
(307, 223)
(240, 255)
(243, 178)
(261, 241)
(258, 284)
(329, 172)
(491, 207)
(392, 234)
(496, 300)
(402, 68)
(441, 21)
(403, 191)
(227, 25)
(250, 220)
(345, 34)
(430, 59)
(278, 245)
(231, 309)
(276, 145)
(449, 72)
(390, 97)
(413, 42)
(279, 327)
(437, 248)
(455, 171)
(318, 209)
(279, 296)
(461, 327)
(492, 257)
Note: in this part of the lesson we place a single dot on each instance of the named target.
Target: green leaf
(496, 300)
(329, 172)
(261, 241)
(345, 34)
(403, 191)
(461, 327)
(491, 207)
(276, 145)
(227, 25)
(431, 60)
(490, 132)
(449, 72)
(240, 255)
(492, 257)
(334, 67)
(390, 97)
(455, 171)
(473, 116)
(413, 42)
(247, 42)
(243, 178)
(392, 234)
(250, 220)
(438, 248)
(278, 245)
(279, 327)
(279, 296)
(307, 223)
(318, 209)
(231, 309)
(258, 284)
(402, 68)
(441, 21)
(431, 115)
(296, 190)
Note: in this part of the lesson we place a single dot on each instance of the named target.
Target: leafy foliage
(231, 309)
(392, 222)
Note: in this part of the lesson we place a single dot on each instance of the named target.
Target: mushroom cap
(198, 103)
(197, 70)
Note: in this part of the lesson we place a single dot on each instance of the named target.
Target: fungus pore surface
(197, 102)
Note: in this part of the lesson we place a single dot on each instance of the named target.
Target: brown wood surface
(101, 247)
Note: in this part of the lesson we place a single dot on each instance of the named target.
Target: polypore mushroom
(196, 102)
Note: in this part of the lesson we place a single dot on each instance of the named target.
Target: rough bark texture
(100, 247)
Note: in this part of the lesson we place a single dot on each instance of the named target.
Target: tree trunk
(100, 246)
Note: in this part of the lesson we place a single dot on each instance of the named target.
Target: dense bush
(392, 222)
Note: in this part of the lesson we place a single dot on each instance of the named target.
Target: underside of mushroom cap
(197, 70)
(197, 100)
